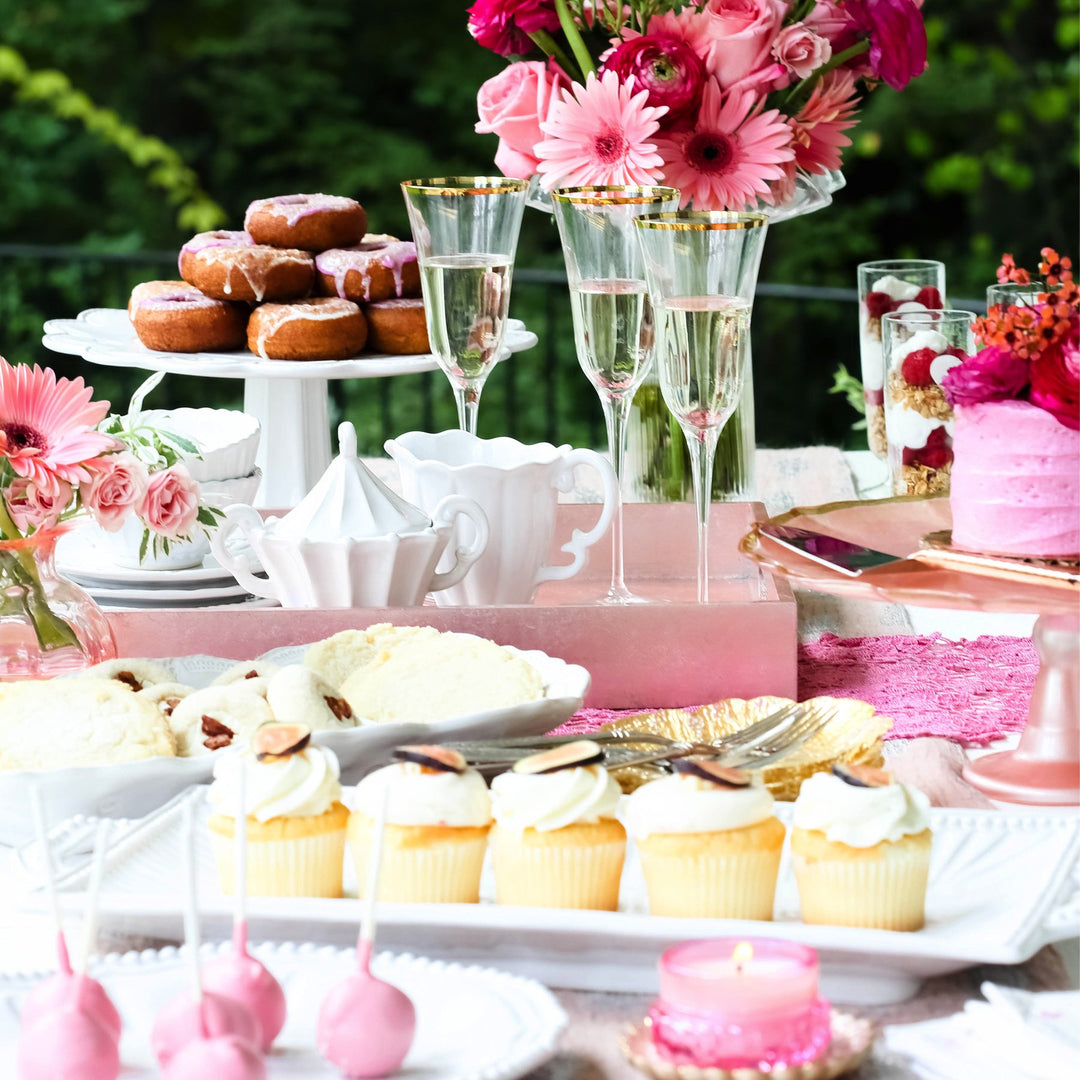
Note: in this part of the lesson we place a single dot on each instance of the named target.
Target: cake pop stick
(93, 894)
(366, 1026)
(239, 975)
(38, 809)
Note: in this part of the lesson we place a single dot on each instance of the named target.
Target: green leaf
(852, 388)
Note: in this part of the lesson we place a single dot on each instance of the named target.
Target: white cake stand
(289, 397)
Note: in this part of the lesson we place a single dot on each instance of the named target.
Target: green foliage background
(126, 125)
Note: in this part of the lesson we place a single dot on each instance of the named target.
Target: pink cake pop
(194, 1015)
(67, 1044)
(366, 1026)
(227, 1057)
(238, 975)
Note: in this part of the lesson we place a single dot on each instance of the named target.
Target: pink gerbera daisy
(728, 158)
(47, 425)
(820, 125)
(599, 134)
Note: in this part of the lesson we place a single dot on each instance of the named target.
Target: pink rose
(800, 50)
(513, 104)
(1055, 381)
(117, 485)
(35, 507)
(742, 33)
(171, 503)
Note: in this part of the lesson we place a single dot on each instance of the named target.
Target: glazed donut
(397, 326)
(186, 321)
(145, 290)
(369, 271)
(311, 222)
(323, 328)
(247, 271)
(216, 238)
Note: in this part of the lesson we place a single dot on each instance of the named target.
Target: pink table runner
(969, 691)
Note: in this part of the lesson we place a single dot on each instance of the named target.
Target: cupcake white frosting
(684, 803)
(549, 801)
(301, 785)
(416, 796)
(860, 816)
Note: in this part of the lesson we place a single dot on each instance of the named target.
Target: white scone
(215, 716)
(297, 695)
(84, 721)
(432, 677)
(251, 670)
(165, 695)
(133, 672)
(335, 658)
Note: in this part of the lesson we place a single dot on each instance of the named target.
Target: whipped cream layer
(416, 796)
(910, 429)
(549, 801)
(690, 804)
(895, 289)
(860, 816)
(302, 785)
(1015, 485)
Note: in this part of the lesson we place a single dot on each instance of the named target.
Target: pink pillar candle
(736, 1003)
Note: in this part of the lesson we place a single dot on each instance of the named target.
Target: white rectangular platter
(1002, 885)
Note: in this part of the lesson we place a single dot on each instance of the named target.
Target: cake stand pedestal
(1044, 769)
(289, 397)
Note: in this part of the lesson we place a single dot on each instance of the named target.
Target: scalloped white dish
(135, 788)
(105, 336)
(472, 1023)
(1002, 885)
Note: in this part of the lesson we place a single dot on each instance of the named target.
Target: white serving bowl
(228, 439)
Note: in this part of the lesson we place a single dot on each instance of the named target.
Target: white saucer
(158, 597)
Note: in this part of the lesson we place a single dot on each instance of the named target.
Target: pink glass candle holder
(740, 1003)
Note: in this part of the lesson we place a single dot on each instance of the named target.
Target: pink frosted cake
(1015, 481)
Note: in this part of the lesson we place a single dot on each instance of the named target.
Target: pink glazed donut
(309, 222)
(370, 271)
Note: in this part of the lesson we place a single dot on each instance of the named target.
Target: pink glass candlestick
(740, 1003)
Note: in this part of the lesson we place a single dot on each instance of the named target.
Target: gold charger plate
(853, 735)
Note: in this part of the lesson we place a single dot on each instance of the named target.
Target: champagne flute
(466, 231)
(701, 267)
(613, 318)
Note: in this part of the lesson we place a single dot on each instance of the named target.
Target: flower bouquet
(740, 104)
(62, 457)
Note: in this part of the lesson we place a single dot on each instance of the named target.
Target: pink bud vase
(48, 625)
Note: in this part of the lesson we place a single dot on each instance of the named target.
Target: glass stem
(702, 446)
(468, 405)
(616, 417)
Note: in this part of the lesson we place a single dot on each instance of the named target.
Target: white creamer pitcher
(517, 486)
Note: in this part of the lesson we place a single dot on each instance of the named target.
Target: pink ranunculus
(667, 67)
(117, 485)
(512, 105)
(897, 38)
(992, 374)
(741, 34)
(170, 504)
(800, 50)
(504, 26)
(1055, 381)
(32, 506)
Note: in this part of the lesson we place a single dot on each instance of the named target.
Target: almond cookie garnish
(573, 755)
(862, 775)
(339, 707)
(275, 741)
(705, 768)
(218, 734)
(438, 758)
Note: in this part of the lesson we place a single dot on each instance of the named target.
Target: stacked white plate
(119, 588)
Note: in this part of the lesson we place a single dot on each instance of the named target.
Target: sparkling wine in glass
(614, 329)
(701, 267)
(466, 231)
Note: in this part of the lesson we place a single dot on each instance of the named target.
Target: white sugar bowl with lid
(351, 542)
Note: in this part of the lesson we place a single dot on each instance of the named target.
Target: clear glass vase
(48, 625)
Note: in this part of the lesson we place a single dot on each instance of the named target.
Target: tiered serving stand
(289, 397)
(1044, 769)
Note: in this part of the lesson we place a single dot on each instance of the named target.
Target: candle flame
(743, 954)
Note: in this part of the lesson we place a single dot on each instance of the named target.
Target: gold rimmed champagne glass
(466, 232)
(613, 318)
(701, 267)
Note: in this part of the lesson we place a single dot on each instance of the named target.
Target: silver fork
(770, 750)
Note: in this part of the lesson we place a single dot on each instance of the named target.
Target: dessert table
(863, 633)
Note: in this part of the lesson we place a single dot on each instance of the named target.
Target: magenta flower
(667, 68)
(897, 38)
(1055, 380)
(992, 374)
(504, 26)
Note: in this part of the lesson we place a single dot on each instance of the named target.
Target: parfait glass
(701, 267)
(466, 232)
(613, 317)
